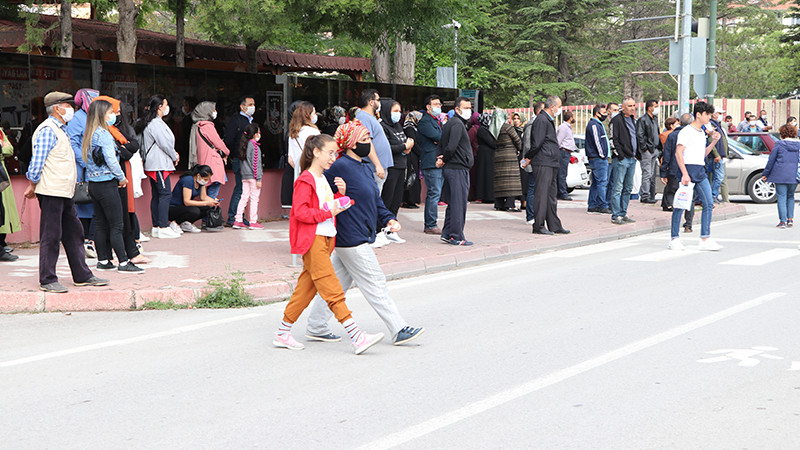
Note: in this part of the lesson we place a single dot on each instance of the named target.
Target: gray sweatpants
(649, 174)
(358, 265)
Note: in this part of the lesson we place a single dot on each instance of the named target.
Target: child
(354, 260)
(311, 234)
(250, 154)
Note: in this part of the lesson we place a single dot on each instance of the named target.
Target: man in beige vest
(52, 176)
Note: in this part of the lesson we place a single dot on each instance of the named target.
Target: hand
(380, 172)
(763, 178)
(340, 184)
(394, 226)
(715, 136)
(664, 181)
(258, 185)
(439, 162)
(29, 191)
(718, 159)
(409, 145)
(212, 202)
(685, 180)
(336, 209)
(123, 183)
(524, 163)
(177, 160)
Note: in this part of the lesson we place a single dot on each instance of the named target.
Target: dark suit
(545, 156)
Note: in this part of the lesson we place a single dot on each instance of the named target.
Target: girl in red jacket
(311, 233)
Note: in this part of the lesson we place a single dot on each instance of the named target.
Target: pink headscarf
(84, 97)
(348, 134)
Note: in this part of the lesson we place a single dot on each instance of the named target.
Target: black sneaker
(7, 257)
(593, 210)
(130, 268)
(330, 337)
(605, 211)
(407, 334)
(94, 281)
(54, 287)
(107, 266)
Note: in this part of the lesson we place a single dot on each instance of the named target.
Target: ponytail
(200, 169)
(249, 132)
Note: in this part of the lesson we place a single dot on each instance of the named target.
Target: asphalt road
(616, 345)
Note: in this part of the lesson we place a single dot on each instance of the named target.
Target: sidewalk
(181, 267)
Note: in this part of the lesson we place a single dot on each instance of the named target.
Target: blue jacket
(669, 166)
(783, 160)
(75, 129)
(429, 133)
(596, 139)
(356, 226)
(108, 169)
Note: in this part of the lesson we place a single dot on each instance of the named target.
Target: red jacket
(305, 214)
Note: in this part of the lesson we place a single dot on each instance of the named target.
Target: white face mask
(341, 120)
(68, 113)
(396, 117)
(314, 118)
(764, 117)
(436, 111)
(752, 123)
(250, 110)
(166, 111)
(202, 182)
(111, 120)
(614, 114)
(378, 108)
(257, 137)
(656, 111)
(214, 115)
(466, 114)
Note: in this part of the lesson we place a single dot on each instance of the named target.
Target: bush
(227, 293)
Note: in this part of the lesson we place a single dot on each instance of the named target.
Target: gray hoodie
(253, 162)
(158, 147)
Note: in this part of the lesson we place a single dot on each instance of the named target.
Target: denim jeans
(785, 194)
(597, 191)
(610, 187)
(529, 213)
(212, 190)
(159, 203)
(702, 190)
(433, 181)
(622, 185)
(718, 174)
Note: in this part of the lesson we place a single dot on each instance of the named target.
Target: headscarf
(451, 113)
(201, 113)
(348, 135)
(336, 113)
(474, 120)
(499, 117)
(442, 118)
(412, 119)
(486, 119)
(84, 97)
(115, 106)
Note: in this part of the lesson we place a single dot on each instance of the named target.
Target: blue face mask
(396, 117)
(111, 120)
(436, 111)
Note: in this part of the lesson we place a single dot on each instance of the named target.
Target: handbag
(81, 196)
(214, 218)
(684, 197)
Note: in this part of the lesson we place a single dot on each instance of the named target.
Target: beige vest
(59, 173)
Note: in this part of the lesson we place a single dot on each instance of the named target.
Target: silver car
(743, 173)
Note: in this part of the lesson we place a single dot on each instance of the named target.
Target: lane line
(493, 401)
(737, 240)
(120, 342)
(762, 258)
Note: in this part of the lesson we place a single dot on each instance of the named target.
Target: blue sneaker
(407, 334)
(457, 242)
(330, 337)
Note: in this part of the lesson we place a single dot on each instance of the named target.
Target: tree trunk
(126, 31)
(66, 28)
(405, 58)
(563, 74)
(380, 60)
(252, 57)
(180, 13)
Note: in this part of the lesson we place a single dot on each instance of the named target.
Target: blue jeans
(703, 191)
(622, 185)
(718, 175)
(610, 187)
(236, 195)
(433, 181)
(213, 189)
(529, 198)
(785, 194)
(597, 191)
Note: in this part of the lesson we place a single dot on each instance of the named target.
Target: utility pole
(711, 69)
(683, 91)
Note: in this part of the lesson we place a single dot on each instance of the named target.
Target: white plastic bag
(684, 197)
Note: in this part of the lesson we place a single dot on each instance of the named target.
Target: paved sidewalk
(181, 267)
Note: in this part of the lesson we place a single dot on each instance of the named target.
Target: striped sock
(285, 327)
(352, 329)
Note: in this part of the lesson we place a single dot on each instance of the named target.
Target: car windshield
(741, 148)
(776, 135)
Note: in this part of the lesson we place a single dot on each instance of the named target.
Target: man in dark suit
(624, 161)
(233, 135)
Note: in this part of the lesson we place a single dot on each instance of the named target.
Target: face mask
(614, 114)
(466, 114)
(112, 119)
(396, 117)
(68, 113)
(250, 110)
(341, 120)
(794, 124)
(378, 108)
(752, 123)
(362, 149)
(214, 115)
(436, 111)
(764, 117)
(314, 118)
(202, 182)
(603, 117)
(558, 112)
(656, 111)
(166, 111)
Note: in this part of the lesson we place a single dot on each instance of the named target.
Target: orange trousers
(318, 276)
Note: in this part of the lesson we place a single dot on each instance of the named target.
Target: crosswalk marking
(592, 249)
(762, 258)
(662, 255)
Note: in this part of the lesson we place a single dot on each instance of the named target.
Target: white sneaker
(380, 240)
(394, 237)
(710, 245)
(366, 341)
(175, 227)
(530, 222)
(167, 233)
(676, 244)
(189, 227)
(287, 341)
(154, 232)
(143, 238)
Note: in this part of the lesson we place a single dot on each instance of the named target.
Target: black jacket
(669, 166)
(234, 131)
(544, 151)
(647, 134)
(455, 144)
(623, 147)
(397, 141)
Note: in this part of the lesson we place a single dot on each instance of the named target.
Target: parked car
(577, 175)
(760, 142)
(580, 142)
(743, 173)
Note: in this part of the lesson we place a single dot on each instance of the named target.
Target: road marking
(493, 401)
(120, 342)
(663, 255)
(760, 259)
(592, 249)
(736, 240)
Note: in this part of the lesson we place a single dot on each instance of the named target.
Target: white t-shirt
(324, 194)
(695, 143)
(296, 146)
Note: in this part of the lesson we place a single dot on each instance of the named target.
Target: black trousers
(457, 188)
(108, 215)
(159, 204)
(392, 194)
(130, 225)
(59, 224)
(563, 167)
(189, 214)
(545, 199)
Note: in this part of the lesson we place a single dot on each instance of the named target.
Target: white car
(579, 173)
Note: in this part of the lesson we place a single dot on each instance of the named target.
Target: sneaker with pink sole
(366, 341)
(256, 226)
(287, 341)
(238, 225)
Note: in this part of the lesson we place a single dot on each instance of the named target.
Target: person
(690, 152)
(105, 177)
(312, 229)
(9, 223)
(649, 147)
(456, 158)
(208, 149)
(518, 122)
(670, 174)
(302, 126)
(484, 160)
(782, 170)
(75, 129)
(429, 134)
(744, 125)
(287, 179)
(720, 153)
(762, 122)
(612, 109)
(753, 125)
(729, 124)
(412, 192)
(473, 125)
(544, 157)
(566, 143)
(125, 126)
(624, 163)
(597, 147)
(669, 126)
(189, 200)
(380, 159)
(792, 120)
(529, 188)
(233, 135)
(506, 162)
(252, 174)
(160, 158)
(401, 145)
(182, 128)
(354, 260)
(52, 173)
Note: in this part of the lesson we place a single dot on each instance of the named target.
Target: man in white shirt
(690, 153)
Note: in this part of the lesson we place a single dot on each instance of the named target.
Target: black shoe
(543, 231)
(8, 257)
(562, 231)
(593, 210)
(54, 287)
(566, 199)
(667, 209)
(107, 266)
(649, 201)
(94, 281)
(8, 249)
(605, 211)
(130, 268)
(330, 337)
(407, 334)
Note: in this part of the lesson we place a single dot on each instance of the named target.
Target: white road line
(662, 255)
(117, 343)
(760, 259)
(480, 406)
(735, 240)
(592, 249)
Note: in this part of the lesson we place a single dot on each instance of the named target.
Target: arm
(641, 134)
(75, 129)
(395, 144)
(450, 145)
(164, 138)
(773, 156)
(616, 135)
(713, 145)
(373, 157)
(486, 138)
(679, 159)
(429, 130)
(304, 209)
(210, 132)
(537, 137)
(230, 132)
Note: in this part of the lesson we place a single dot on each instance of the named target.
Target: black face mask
(362, 149)
(603, 117)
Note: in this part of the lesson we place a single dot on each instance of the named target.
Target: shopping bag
(684, 197)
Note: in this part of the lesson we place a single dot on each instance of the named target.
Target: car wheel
(760, 191)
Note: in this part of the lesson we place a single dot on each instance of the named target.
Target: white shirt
(694, 143)
(296, 146)
(324, 194)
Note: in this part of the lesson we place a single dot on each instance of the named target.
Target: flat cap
(55, 97)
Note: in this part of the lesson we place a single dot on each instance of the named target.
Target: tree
(66, 28)
(126, 32)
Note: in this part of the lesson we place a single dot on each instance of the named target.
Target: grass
(161, 305)
(228, 292)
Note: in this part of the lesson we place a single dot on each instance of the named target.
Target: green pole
(712, 50)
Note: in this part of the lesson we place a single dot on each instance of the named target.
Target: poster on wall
(274, 107)
(127, 92)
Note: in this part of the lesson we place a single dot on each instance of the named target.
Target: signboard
(274, 107)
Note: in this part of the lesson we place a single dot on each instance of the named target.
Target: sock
(352, 329)
(124, 264)
(105, 261)
(285, 327)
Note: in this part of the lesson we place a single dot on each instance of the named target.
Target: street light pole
(455, 25)
(711, 70)
(683, 91)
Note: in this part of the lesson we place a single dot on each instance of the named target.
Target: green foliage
(248, 22)
(162, 305)
(227, 293)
